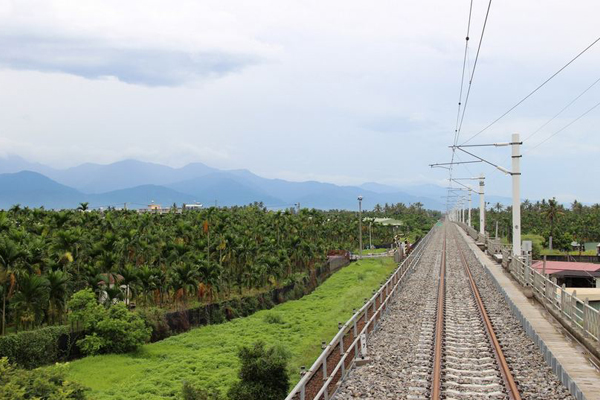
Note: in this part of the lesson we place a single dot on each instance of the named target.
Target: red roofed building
(571, 274)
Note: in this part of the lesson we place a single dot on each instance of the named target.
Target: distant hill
(138, 183)
(97, 178)
(31, 189)
(226, 190)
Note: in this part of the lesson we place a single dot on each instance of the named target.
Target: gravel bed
(391, 348)
(535, 379)
(400, 350)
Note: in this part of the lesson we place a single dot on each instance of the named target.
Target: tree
(552, 212)
(58, 282)
(85, 311)
(115, 330)
(10, 255)
(121, 331)
(263, 374)
(30, 299)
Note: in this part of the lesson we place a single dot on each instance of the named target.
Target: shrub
(32, 349)
(189, 392)
(116, 330)
(249, 305)
(272, 318)
(156, 320)
(47, 383)
(124, 330)
(263, 374)
(85, 311)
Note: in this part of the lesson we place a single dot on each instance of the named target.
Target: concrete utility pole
(516, 200)
(360, 247)
(470, 198)
(370, 235)
(481, 205)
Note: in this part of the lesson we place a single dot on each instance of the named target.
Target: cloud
(94, 60)
(132, 44)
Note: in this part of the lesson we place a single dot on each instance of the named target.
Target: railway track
(435, 336)
(461, 355)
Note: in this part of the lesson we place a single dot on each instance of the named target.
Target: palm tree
(10, 255)
(58, 283)
(83, 206)
(210, 277)
(184, 281)
(30, 299)
(552, 212)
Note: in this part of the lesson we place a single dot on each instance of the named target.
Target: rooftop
(559, 267)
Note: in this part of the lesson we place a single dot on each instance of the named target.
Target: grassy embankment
(206, 356)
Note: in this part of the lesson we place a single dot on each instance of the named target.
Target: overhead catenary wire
(561, 111)
(563, 128)
(533, 91)
(487, 14)
(472, 74)
(462, 77)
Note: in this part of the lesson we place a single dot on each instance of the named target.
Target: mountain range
(138, 183)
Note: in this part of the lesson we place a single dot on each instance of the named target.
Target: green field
(206, 356)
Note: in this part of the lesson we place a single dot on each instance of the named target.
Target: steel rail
(509, 380)
(394, 281)
(436, 385)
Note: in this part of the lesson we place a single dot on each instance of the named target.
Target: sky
(337, 91)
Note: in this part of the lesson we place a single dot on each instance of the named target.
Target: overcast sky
(338, 91)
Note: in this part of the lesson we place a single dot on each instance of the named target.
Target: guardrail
(582, 317)
(579, 313)
(321, 381)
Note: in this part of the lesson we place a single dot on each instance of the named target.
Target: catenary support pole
(360, 246)
(470, 206)
(481, 205)
(516, 200)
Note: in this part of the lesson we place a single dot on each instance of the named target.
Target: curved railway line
(455, 339)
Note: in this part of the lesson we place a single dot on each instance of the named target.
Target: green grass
(206, 356)
(555, 252)
(375, 251)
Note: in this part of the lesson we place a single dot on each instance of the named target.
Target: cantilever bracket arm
(502, 169)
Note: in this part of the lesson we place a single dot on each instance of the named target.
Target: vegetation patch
(206, 358)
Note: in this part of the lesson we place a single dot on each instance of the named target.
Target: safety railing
(582, 317)
(579, 313)
(338, 357)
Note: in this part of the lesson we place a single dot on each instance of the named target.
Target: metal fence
(582, 317)
(321, 381)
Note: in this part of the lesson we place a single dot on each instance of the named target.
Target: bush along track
(206, 357)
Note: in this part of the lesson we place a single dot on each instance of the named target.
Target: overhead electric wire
(465, 60)
(462, 77)
(563, 128)
(534, 91)
(561, 111)
(473, 72)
